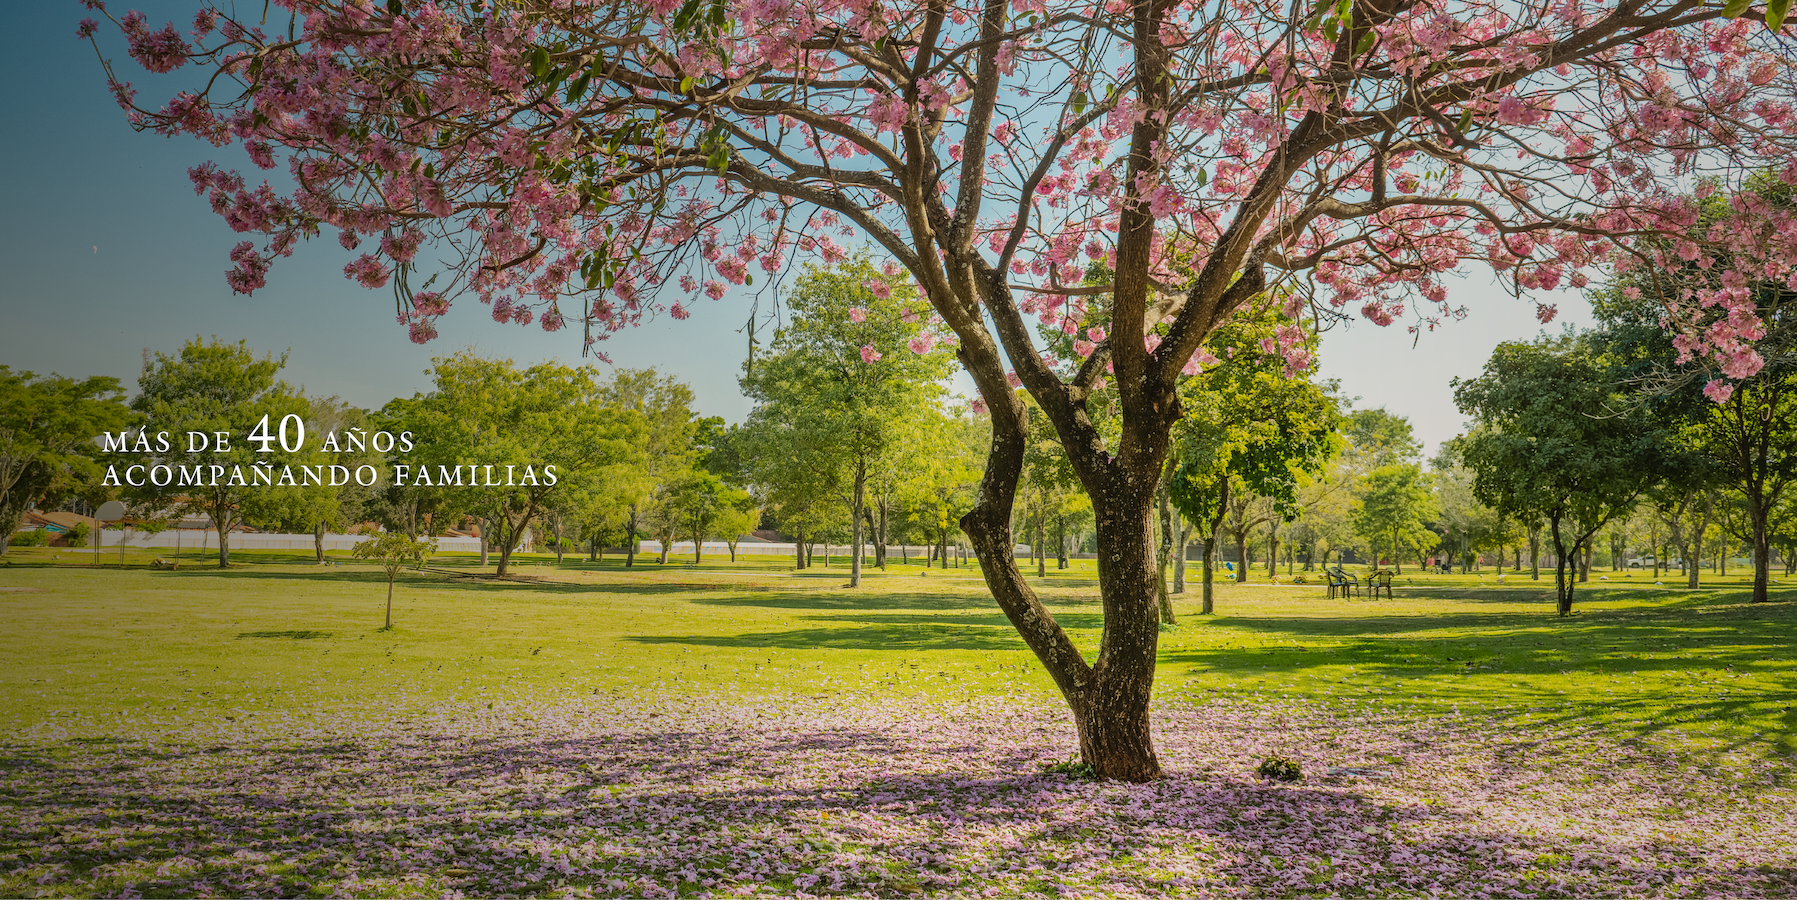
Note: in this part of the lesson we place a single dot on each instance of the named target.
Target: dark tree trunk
(388, 625)
(630, 539)
(1164, 551)
(1182, 538)
(318, 541)
(1535, 552)
(1563, 582)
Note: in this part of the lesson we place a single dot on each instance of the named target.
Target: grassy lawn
(1701, 670)
(747, 730)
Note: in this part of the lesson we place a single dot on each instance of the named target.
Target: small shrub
(78, 534)
(1279, 768)
(1072, 767)
(1299, 579)
(33, 538)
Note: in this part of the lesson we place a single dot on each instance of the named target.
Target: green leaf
(1203, 177)
(539, 63)
(579, 88)
(1331, 28)
(748, 279)
(1366, 43)
(1079, 102)
(394, 7)
(1736, 8)
(686, 85)
(1776, 10)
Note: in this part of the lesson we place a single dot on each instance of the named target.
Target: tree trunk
(882, 535)
(1759, 513)
(486, 539)
(1241, 554)
(508, 538)
(1060, 542)
(388, 626)
(1164, 546)
(1041, 550)
(1272, 549)
(224, 524)
(630, 539)
(1182, 538)
(1563, 581)
(1535, 553)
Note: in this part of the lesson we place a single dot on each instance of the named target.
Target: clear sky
(105, 251)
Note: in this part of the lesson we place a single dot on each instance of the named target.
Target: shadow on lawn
(1510, 664)
(503, 815)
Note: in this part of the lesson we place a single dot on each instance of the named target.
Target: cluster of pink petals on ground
(850, 797)
(514, 166)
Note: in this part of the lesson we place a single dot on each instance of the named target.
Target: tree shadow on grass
(873, 810)
(298, 635)
(1511, 666)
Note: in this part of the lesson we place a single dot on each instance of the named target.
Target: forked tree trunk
(389, 623)
(318, 541)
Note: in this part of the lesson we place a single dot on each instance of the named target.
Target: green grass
(83, 648)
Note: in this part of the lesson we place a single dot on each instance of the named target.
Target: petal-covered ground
(820, 796)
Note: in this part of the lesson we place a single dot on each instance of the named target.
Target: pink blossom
(978, 405)
(869, 354)
(1084, 348)
(1718, 390)
(857, 314)
(1012, 379)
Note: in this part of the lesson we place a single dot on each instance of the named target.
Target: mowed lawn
(747, 730)
(81, 647)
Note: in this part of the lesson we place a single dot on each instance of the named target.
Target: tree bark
(630, 539)
(1562, 582)
(1182, 538)
(389, 623)
(1535, 552)
(855, 535)
(318, 541)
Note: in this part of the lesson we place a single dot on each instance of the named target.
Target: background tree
(664, 407)
(841, 375)
(608, 160)
(499, 429)
(49, 432)
(1254, 427)
(1393, 510)
(1558, 442)
(209, 388)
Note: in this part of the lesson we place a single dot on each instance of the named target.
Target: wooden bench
(1340, 580)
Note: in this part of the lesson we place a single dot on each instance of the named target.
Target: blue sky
(106, 251)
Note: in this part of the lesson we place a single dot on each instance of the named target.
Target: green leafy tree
(509, 443)
(841, 379)
(49, 426)
(663, 408)
(215, 399)
(1394, 509)
(1558, 442)
(1252, 428)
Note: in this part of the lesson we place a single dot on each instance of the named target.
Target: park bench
(1379, 580)
(1340, 581)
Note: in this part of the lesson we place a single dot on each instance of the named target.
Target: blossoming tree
(593, 162)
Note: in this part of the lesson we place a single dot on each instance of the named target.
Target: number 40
(261, 435)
